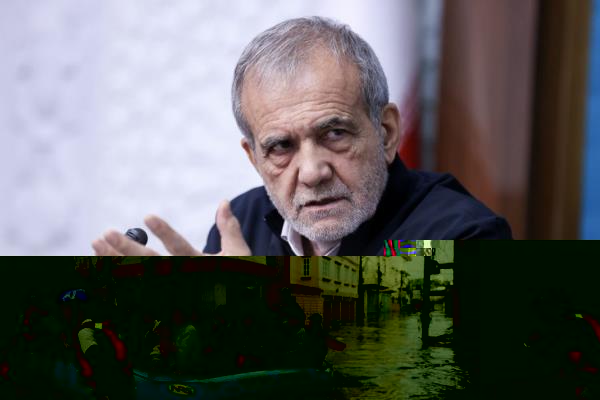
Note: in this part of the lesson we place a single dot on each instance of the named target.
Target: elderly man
(312, 102)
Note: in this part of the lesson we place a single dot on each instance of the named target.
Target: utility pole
(378, 288)
(360, 304)
(402, 280)
(426, 301)
(429, 267)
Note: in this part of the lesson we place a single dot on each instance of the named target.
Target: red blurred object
(4, 368)
(273, 295)
(194, 265)
(178, 317)
(410, 127)
(83, 270)
(164, 267)
(247, 267)
(86, 368)
(128, 271)
(119, 346)
(240, 360)
(128, 369)
(335, 344)
(593, 323)
(589, 368)
(29, 337)
(575, 356)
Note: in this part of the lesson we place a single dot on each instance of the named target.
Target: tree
(404, 278)
(416, 283)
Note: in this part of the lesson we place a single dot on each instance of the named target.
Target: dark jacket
(415, 205)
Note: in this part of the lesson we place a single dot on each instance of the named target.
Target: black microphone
(137, 235)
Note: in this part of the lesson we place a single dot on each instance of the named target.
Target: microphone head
(137, 235)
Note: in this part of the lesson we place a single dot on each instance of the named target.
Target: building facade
(383, 282)
(327, 286)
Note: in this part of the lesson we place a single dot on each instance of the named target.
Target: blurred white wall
(115, 109)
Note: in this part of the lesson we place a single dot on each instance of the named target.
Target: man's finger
(232, 240)
(102, 248)
(126, 246)
(173, 241)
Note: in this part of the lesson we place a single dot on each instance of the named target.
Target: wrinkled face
(321, 159)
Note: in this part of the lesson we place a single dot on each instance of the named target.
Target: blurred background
(112, 110)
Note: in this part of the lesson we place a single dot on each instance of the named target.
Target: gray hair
(289, 44)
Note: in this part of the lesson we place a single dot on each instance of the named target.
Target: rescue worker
(290, 331)
(102, 347)
(174, 344)
(564, 342)
(315, 343)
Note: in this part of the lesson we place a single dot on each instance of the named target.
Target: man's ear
(249, 151)
(390, 123)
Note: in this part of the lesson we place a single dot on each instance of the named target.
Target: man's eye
(336, 134)
(280, 148)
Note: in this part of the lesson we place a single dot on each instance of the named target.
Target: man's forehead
(320, 72)
(321, 80)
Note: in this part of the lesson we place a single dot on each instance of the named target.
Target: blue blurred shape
(590, 212)
(74, 294)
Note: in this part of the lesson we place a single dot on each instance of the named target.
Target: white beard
(363, 204)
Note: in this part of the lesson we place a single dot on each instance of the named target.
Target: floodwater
(385, 360)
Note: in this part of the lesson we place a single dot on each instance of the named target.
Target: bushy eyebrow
(272, 141)
(334, 122)
(327, 124)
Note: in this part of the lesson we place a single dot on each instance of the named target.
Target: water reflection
(385, 360)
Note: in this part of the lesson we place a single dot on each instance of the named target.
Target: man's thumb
(232, 240)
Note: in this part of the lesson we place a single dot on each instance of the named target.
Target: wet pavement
(385, 360)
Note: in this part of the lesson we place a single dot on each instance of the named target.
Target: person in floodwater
(35, 349)
(292, 315)
(102, 345)
(173, 344)
(183, 339)
(314, 347)
(289, 330)
(257, 330)
(218, 352)
(564, 342)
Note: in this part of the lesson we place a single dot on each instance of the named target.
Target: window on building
(326, 267)
(338, 271)
(306, 266)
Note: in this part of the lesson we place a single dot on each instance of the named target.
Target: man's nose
(314, 167)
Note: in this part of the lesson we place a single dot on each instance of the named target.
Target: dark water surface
(385, 360)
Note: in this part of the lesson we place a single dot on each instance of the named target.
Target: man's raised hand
(114, 243)
(232, 240)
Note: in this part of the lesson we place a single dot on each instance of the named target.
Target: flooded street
(385, 360)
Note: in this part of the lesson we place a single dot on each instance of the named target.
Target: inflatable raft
(283, 383)
(264, 384)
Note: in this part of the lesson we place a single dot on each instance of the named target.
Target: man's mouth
(323, 202)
